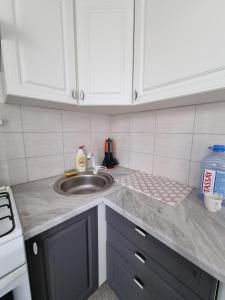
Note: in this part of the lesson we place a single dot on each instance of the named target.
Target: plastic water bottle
(213, 172)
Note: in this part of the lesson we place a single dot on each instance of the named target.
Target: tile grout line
(90, 133)
(192, 142)
(134, 132)
(154, 133)
(24, 146)
(38, 156)
(129, 140)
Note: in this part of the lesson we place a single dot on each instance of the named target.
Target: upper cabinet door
(105, 51)
(38, 48)
(179, 48)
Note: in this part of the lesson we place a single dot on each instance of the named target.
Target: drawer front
(119, 277)
(129, 284)
(187, 273)
(145, 266)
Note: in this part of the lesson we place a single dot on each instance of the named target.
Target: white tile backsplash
(11, 146)
(175, 120)
(47, 140)
(142, 122)
(100, 123)
(201, 142)
(13, 172)
(142, 142)
(98, 140)
(37, 119)
(72, 141)
(176, 169)
(41, 144)
(210, 118)
(169, 142)
(180, 136)
(11, 116)
(121, 140)
(75, 121)
(45, 166)
(173, 145)
(122, 157)
(141, 161)
(120, 123)
(194, 176)
(69, 160)
(99, 156)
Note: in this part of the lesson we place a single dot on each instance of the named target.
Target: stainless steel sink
(84, 184)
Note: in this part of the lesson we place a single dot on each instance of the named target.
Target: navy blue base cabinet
(8, 296)
(139, 267)
(63, 261)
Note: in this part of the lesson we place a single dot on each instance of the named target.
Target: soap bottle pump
(81, 159)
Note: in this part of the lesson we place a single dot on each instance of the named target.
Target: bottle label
(82, 161)
(213, 182)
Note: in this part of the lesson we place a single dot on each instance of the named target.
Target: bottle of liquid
(81, 160)
(213, 172)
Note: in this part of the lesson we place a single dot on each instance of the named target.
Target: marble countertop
(189, 228)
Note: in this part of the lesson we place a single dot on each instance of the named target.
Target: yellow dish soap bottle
(81, 160)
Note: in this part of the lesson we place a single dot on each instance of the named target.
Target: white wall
(169, 142)
(37, 143)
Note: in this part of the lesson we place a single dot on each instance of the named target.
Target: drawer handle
(35, 248)
(140, 257)
(139, 283)
(140, 231)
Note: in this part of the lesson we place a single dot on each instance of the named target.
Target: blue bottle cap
(217, 148)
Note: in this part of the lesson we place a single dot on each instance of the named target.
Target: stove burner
(5, 203)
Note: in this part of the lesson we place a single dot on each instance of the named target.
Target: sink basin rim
(109, 181)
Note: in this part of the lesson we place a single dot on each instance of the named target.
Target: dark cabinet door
(63, 261)
(8, 296)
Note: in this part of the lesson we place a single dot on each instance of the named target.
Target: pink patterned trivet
(160, 188)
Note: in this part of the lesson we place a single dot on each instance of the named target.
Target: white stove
(13, 266)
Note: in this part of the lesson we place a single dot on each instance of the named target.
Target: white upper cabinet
(38, 48)
(105, 51)
(179, 48)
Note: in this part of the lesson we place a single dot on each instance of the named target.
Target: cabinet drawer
(129, 284)
(187, 273)
(119, 277)
(144, 265)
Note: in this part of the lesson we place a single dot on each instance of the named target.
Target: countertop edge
(58, 220)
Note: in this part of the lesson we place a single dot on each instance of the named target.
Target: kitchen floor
(104, 293)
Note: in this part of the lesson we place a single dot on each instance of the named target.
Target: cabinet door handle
(140, 231)
(140, 257)
(135, 95)
(138, 282)
(82, 96)
(35, 248)
(74, 94)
